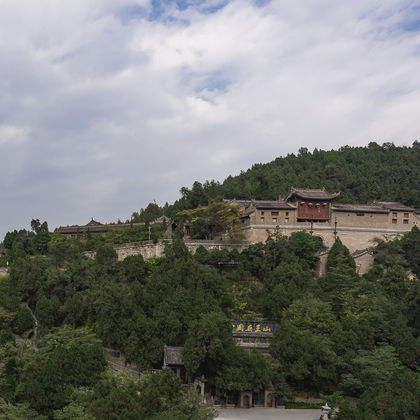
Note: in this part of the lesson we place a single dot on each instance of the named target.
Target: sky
(107, 105)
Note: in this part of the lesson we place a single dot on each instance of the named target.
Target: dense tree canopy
(361, 174)
(346, 335)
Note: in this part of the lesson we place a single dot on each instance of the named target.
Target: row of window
(274, 213)
(395, 220)
(395, 214)
(274, 219)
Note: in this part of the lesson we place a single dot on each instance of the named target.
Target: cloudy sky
(106, 105)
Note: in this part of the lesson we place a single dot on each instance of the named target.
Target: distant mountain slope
(361, 174)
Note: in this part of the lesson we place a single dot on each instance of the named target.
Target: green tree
(28, 276)
(147, 215)
(243, 371)
(65, 360)
(341, 276)
(22, 411)
(73, 411)
(216, 219)
(42, 236)
(23, 320)
(106, 256)
(74, 310)
(410, 243)
(114, 397)
(371, 369)
(133, 268)
(6, 336)
(397, 398)
(48, 311)
(305, 247)
(208, 344)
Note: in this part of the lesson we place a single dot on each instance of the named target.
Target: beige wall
(404, 220)
(376, 220)
(400, 217)
(353, 238)
(269, 217)
(363, 263)
(264, 217)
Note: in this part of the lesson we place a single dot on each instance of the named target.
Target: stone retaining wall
(148, 249)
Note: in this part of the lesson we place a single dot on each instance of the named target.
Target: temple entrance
(246, 403)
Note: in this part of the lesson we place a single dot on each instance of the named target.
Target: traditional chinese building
(248, 335)
(314, 211)
(95, 227)
(172, 359)
(253, 334)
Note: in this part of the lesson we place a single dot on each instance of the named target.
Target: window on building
(262, 213)
(262, 219)
(405, 221)
(394, 221)
(406, 215)
(274, 213)
(274, 219)
(286, 220)
(394, 214)
(287, 213)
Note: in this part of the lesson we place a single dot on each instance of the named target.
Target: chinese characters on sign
(252, 327)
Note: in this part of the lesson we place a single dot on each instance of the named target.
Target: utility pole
(335, 228)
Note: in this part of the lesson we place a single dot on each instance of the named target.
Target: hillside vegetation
(354, 340)
(342, 336)
(361, 174)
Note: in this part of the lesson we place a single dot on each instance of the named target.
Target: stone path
(267, 414)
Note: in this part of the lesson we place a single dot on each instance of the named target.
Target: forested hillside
(355, 340)
(361, 174)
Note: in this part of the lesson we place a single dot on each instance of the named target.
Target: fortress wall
(364, 262)
(352, 238)
(148, 249)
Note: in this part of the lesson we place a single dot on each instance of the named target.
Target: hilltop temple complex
(310, 210)
(314, 211)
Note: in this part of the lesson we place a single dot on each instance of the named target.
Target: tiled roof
(393, 205)
(359, 208)
(94, 223)
(172, 355)
(309, 194)
(95, 227)
(80, 229)
(234, 200)
(261, 204)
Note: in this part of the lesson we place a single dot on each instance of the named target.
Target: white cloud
(12, 134)
(123, 110)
